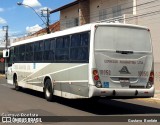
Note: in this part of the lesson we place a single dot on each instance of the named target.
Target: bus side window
(53, 49)
(62, 48)
(79, 47)
(29, 52)
(74, 47)
(16, 54)
(85, 39)
(22, 53)
(38, 50)
(48, 55)
(75, 40)
(11, 57)
(84, 46)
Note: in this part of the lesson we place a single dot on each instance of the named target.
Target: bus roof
(78, 29)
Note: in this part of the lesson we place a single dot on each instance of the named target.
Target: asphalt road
(28, 101)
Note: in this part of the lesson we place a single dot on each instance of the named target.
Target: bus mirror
(6, 53)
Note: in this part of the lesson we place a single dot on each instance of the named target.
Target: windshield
(122, 38)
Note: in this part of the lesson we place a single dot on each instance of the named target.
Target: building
(53, 28)
(140, 12)
(87, 11)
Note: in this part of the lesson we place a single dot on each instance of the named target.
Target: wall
(148, 14)
(84, 12)
(68, 16)
(98, 8)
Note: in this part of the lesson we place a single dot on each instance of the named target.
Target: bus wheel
(48, 90)
(17, 88)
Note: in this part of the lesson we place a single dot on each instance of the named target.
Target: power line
(124, 9)
(129, 7)
(129, 18)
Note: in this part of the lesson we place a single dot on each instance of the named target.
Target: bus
(93, 60)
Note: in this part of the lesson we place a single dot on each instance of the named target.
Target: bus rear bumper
(131, 93)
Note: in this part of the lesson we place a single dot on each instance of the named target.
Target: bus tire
(17, 88)
(48, 91)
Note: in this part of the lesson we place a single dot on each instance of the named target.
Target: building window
(117, 11)
(72, 22)
(102, 14)
(76, 21)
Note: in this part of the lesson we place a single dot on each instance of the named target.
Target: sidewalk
(155, 99)
(156, 95)
(2, 75)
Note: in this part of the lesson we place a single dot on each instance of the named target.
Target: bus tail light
(96, 79)
(95, 72)
(151, 80)
(151, 77)
(95, 75)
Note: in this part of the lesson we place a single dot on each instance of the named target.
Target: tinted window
(22, 52)
(70, 48)
(84, 39)
(16, 54)
(38, 50)
(48, 54)
(29, 52)
(79, 47)
(62, 49)
(11, 57)
(75, 40)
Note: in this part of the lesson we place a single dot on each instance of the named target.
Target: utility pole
(5, 28)
(47, 15)
(47, 20)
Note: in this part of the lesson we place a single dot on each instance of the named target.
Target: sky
(22, 20)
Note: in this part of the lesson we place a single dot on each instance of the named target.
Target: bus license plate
(124, 82)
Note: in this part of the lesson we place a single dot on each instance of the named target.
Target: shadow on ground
(101, 106)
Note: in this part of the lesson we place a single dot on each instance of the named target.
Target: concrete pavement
(157, 95)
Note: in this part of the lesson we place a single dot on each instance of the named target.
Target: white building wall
(148, 12)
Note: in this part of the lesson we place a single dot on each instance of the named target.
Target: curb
(152, 99)
(1, 75)
(156, 99)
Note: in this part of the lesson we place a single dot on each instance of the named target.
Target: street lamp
(46, 23)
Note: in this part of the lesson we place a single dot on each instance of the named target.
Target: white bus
(93, 60)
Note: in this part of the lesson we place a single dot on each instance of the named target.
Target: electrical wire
(124, 9)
